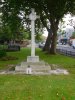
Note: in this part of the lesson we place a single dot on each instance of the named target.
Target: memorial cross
(32, 17)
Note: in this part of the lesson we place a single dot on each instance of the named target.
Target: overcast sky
(67, 26)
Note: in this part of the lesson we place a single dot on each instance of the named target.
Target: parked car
(41, 44)
(64, 41)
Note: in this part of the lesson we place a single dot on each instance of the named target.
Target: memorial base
(33, 59)
(40, 66)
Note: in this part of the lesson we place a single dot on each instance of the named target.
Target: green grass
(56, 59)
(25, 87)
(21, 55)
(63, 61)
(46, 87)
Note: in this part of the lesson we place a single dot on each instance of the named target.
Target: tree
(12, 13)
(51, 12)
(10, 17)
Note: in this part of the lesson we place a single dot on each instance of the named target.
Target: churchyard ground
(37, 87)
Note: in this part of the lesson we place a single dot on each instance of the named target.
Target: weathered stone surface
(36, 66)
(32, 58)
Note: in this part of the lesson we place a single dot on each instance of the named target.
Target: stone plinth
(35, 66)
(33, 59)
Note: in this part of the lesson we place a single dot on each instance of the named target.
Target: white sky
(66, 24)
(45, 33)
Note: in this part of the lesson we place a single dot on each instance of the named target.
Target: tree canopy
(50, 11)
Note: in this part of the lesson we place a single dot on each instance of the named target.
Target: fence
(66, 52)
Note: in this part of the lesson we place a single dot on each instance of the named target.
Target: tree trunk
(54, 28)
(48, 41)
(53, 44)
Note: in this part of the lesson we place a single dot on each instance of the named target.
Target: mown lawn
(25, 87)
(20, 55)
(46, 87)
(60, 60)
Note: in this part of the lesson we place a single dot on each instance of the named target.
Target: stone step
(39, 66)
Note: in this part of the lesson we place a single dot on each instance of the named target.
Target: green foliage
(5, 33)
(10, 19)
(27, 35)
(73, 35)
(3, 50)
(3, 47)
(50, 11)
(2, 53)
(38, 36)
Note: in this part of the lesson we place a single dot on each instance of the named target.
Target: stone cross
(33, 17)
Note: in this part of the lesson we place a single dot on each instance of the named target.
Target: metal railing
(66, 52)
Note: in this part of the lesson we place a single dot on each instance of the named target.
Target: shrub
(2, 53)
(3, 47)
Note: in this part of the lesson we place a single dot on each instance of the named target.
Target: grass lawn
(21, 55)
(47, 87)
(25, 87)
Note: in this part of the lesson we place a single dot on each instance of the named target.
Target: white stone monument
(32, 17)
(33, 60)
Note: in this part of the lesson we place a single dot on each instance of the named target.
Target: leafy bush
(3, 47)
(2, 53)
